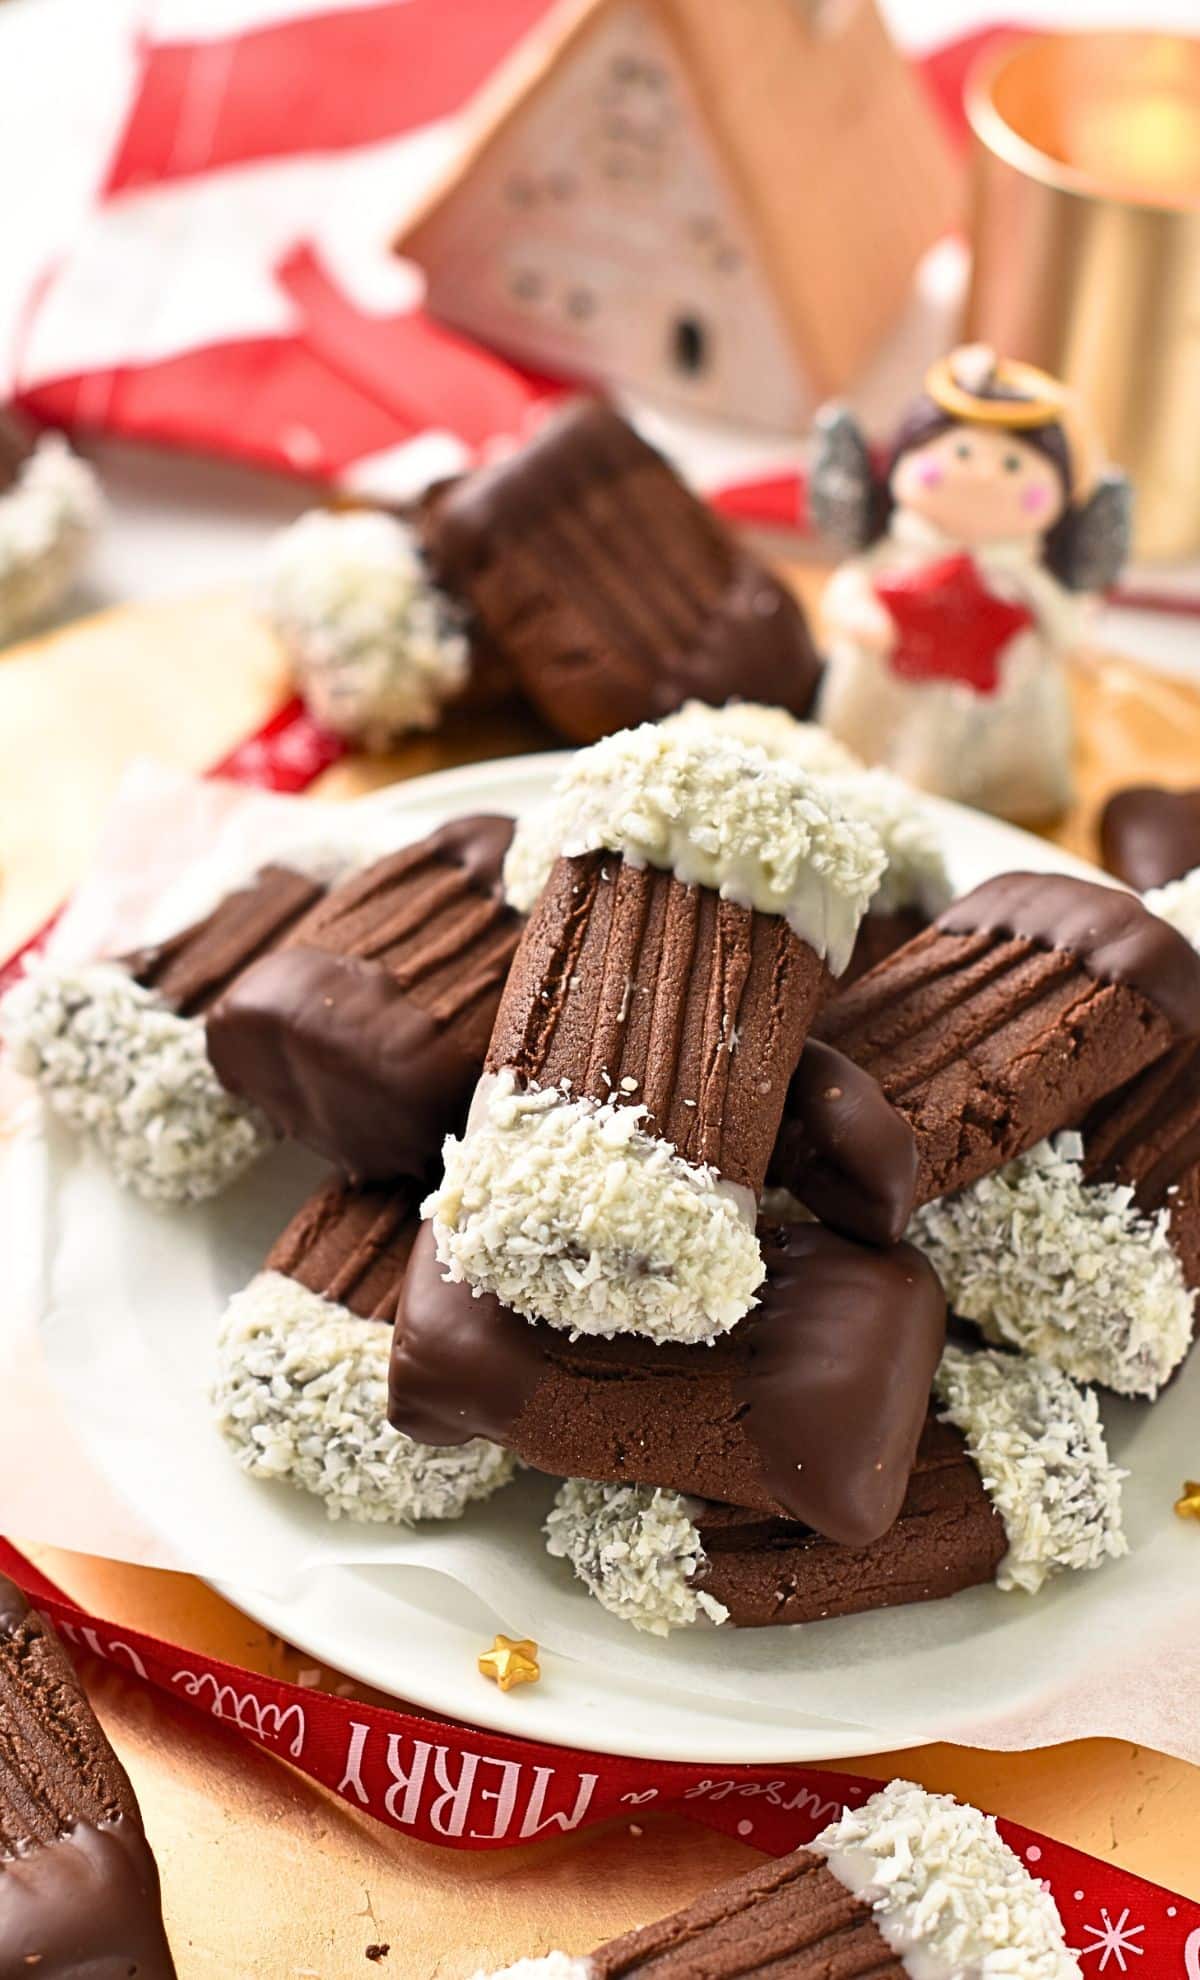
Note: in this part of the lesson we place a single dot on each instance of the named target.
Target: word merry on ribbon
(469, 1788)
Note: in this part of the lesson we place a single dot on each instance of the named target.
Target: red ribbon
(467, 1788)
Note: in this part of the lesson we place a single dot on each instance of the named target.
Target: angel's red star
(950, 627)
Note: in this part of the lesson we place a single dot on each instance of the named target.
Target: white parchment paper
(106, 1442)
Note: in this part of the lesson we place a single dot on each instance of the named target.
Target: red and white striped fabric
(231, 292)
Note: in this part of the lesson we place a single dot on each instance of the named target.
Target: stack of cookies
(761, 1422)
(666, 1127)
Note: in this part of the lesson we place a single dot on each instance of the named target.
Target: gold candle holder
(1086, 237)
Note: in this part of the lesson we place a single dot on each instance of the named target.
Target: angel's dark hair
(925, 420)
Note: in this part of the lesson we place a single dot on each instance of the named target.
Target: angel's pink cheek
(930, 475)
(1034, 498)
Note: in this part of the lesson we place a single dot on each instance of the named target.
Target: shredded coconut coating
(781, 735)
(551, 1966)
(916, 867)
(375, 646)
(571, 1213)
(116, 1064)
(301, 1396)
(47, 521)
(1037, 1442)
(1179, 903)
(916, 873)
(1072, 1271)
(636, 1550)
(953, 1901)
(716, 813)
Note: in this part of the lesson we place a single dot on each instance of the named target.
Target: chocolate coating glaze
(1149, 835)
(362, 1033)
(478, 844)
(844, 1150)
(811, 1409)
(462, 1365)
(1111, 933)
(839, 1363)
(85, 1907)
(337, 1056)
(754, 644)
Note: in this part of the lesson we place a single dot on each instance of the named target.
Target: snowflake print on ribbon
(1113, 1941)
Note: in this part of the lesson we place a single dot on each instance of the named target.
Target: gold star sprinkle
(1189, 1506)
(509, 1662)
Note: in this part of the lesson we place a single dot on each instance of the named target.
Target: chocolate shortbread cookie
(1012, 1484)
(302, 1359)
(363, 1034)
(1146, 1138)
(1027, 1001)
(350, 1246)
(189, 970)
(118, 1048)
(810, 1409)
(633, 983)
(610, 589)
(1149, 835)
(1086, 1249)
(883, 931)
(908, 1883)
(79, 1887)
(691, 903)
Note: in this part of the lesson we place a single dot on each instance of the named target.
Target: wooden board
(184, 682)
(264, 1874)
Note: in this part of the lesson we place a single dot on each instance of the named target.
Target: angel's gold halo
(1037, 400)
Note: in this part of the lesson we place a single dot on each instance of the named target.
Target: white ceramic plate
(131, 1300)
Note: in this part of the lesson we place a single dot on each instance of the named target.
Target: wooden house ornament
(716, 202)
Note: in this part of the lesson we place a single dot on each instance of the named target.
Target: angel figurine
(975, 556)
